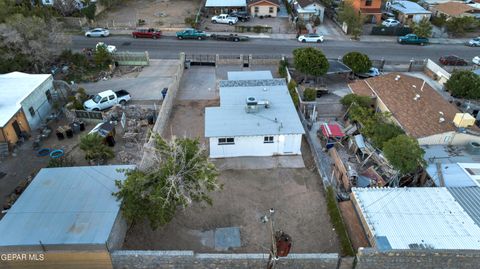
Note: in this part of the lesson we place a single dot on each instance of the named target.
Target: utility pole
(280, 241)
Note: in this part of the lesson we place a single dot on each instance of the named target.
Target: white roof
(226, 3)
(455, 174)
(407, 7)
(14, 88)
(231, 118)
(411, 218)
(249, 75)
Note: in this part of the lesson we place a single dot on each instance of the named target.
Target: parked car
(229, 37)
(191, 34)
(390, 23)
(97, 32)
(241, 15)
(452, 60)
(475, 42)
(373, 72)
(109, 48)
(387, 15)
(147, 33)
(311, 38)
(413, 39)
(225, 18)
(476, 60)
(106, 99)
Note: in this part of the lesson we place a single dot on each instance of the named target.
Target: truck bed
(121, 93)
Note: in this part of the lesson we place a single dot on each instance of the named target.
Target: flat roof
(14, 88)
(226, 3)
(449, 154)
(454, 174)
(407, 7)
(64, 206)
(231, 117)
(416, 218)
(249, 75)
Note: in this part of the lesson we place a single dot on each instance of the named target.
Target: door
(103, 103)
(288, 144)
(17, 129)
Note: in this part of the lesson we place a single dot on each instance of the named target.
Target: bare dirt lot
(296, 194)
(155, 13)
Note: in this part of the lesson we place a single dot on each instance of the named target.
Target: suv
(241, 15)
(390, 23)
(224, 18)
(475, 42)
(147, 33)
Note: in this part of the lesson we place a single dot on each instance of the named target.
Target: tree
(423, 28)
(458, 26)
(310, 61)
(309, 94)
(383, 132)
(354, 20)
(464, 84)
(181, 174)
(102, 57)
(363, 101)
(95, 149)
(358, 62)
(66, 7)
(89, 11)
(404, 153)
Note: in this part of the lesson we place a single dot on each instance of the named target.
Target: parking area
(145, 85)
(198, 83)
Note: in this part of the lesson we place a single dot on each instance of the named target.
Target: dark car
(452, 60)
(146, 33)
(241, 15)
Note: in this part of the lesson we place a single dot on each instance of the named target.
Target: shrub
(358, 62)
(464, 84)
(363, 101)
(338, 224)
(94, 148)
(293, 92)
(309, 94)
(282, 68)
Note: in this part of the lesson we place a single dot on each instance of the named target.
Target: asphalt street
(169, 47)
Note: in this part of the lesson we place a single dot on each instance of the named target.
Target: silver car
(474, 42)
(97, 32)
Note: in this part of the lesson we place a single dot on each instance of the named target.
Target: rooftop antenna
(423, 85)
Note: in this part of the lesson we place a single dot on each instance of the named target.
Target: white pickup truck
(106, 99)
(224, 18)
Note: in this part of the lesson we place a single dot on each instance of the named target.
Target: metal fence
(93, 115)
(201, 58)
(131, 58)
(391, 31)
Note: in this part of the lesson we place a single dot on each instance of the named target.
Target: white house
(256, 117)
(307, 9)
(409, 11)
(32, 93)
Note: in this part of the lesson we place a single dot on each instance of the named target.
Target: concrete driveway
(147, 85)
(198, 83)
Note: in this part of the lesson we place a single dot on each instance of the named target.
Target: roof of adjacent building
(64, 206)
(455, 174)
(332, 130)
(270, 2)
(469, 199)
(407, 7)
(416, 218)
(419, 118)
(450, 154)
(249, 75)
(226, 3)
(14, 88)
(231, 117)
(305, 3)
(453, 8)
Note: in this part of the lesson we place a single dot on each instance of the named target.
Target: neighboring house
(265, 8)
(68, 214)
(409, 11)
(370, 9)
(225, 6)
(420, 219)
(418, 109)
(25, 101)
(256, 117)
(307, 10)
(454, 10)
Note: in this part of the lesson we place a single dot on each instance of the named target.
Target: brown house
(370, 9)
(265, 8)
(11, 131)
(453, 10)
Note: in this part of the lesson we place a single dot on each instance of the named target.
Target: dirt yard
(354, 227)
(155, 13)
(296, 194)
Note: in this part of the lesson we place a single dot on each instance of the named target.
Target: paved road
(169, 47)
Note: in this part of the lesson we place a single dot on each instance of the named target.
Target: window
(473, 171)
(49, 96)
(268, 139)
(111, 97)
(104, 99)
(226, 141)
(256, 9)
(32, 111)
(368, 3)
(270, 9)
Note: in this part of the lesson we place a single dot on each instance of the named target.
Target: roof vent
(265, 89)
(415, 86)
(417, 96)
(397, 77)
(251, 105)
(251, 101)
(441, 120)
(264, 103)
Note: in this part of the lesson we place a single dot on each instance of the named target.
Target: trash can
(164, 92)
(151, 119)
(82, 126)
(188, 63)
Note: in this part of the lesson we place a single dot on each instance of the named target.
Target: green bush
(309, 94)
(363, 101)
(338, 224)
(293, 93)
(464, 84)
(191, 21)
(282, 68)
(358, 62)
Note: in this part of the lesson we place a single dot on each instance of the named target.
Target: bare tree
(66, 7)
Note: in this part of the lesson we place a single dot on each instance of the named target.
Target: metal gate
(201, 59)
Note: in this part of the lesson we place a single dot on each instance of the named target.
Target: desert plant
(309, 94)
(95, 149)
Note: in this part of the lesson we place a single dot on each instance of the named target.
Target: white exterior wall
(263, 11)
(254, 146)
(38, 100)
(449, 138)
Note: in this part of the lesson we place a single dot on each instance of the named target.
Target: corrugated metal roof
(469, 199)
(454, 174)
(226, 3)
(71, 205)
(249, 75)
(232, 119)
(407, 7)
(410, 218)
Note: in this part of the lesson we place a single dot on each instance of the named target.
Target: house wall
(263, 10)
(254, 146)
(38, 100)
(118, 232)
(7, 133)
(449, 138)
(223, 10)
(309, 11)
(407, 18)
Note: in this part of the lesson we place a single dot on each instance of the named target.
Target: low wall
(368, 258)
(125, 259)
(436, 72)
